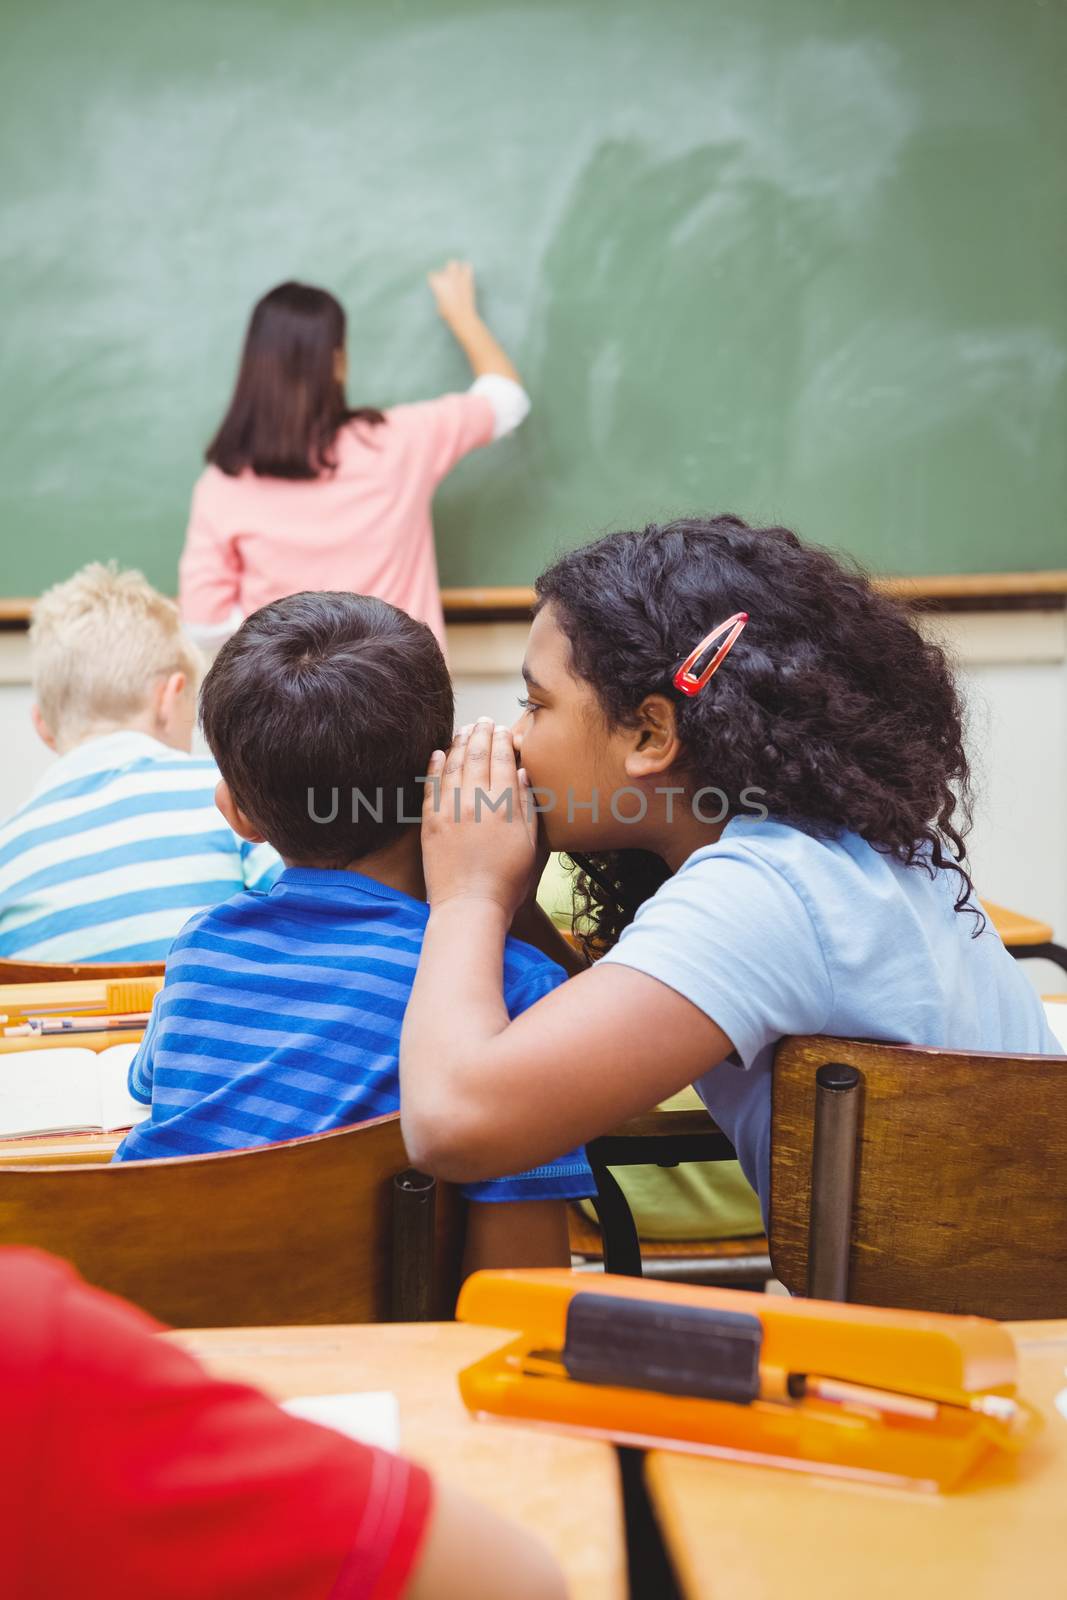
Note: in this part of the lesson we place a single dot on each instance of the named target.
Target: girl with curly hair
(757, 764)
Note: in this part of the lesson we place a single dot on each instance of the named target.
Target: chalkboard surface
(802, 259)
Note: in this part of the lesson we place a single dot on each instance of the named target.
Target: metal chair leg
(622, 1248)
(1056, 953)
(414, 1214)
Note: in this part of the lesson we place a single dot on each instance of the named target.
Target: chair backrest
(313, 1230)
(71, 972)
(959, 1196)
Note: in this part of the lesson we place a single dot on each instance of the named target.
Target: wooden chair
(72, 972)
(1025, 938)
(727, 1263)
(663, 1138)
(931, 1179)
(335, 1227)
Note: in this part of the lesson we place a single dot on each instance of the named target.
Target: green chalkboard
(802, 259)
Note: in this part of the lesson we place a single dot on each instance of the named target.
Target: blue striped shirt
(115, 850)
(281, 1016)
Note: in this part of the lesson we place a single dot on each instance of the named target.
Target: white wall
(1014, 673)
(1013, 668)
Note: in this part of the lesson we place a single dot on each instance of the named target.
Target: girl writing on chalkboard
(303, 491)
(758, 763)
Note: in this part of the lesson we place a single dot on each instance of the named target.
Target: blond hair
(100, 643)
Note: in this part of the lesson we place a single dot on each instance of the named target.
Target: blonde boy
(121, 842)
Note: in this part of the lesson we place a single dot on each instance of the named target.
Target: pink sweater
(365, 527)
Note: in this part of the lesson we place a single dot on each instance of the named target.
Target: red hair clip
(684, 678)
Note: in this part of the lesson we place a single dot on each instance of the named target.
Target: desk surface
(102, 1040)
(1016, 929)
(59, 1149)
(753, 1533)
(564, 1489)
(71, 996)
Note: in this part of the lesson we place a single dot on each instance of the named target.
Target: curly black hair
(831, 702)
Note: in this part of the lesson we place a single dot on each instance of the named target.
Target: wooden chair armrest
(658, 1123)
(661, 1138)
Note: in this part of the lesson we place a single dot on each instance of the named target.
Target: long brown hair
(288, 403)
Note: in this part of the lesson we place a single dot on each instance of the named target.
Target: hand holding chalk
(453, 290)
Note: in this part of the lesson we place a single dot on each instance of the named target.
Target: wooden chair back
(73, 972)
(958, 1200)
(313, 1230)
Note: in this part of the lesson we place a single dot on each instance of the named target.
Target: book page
(118, 1108)
(1056, 1012)
(49, 1091)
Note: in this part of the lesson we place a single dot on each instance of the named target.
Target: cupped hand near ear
(479, 829)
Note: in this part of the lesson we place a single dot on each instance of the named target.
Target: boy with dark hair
(281, 1012)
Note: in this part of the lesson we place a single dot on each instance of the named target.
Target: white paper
(66, 1091)
(118, 1108)
(1056, 1012)
(372, 1417)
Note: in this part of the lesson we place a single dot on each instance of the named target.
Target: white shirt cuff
(509, 400)
(209, 636)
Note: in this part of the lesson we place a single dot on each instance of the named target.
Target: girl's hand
(470, 849)
(453, 290)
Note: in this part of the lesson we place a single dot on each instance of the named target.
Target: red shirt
(126, 1471)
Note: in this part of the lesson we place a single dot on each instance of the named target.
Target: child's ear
(656, 746)
(174, 708)
(240, 824)
(41, 728)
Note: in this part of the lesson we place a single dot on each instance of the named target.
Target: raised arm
(481, 1094)
(453, 290)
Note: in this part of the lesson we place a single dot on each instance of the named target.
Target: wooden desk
(753, 1533)
(566, 1490)
(1016, 930)
(59, 1149)
(73, 993)
(102, 1040)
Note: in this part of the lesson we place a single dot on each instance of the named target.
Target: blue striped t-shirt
(117, 847)
(281, 1015)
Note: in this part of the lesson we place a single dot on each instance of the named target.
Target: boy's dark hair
(328, 706)
(831, 705)
(288, 402)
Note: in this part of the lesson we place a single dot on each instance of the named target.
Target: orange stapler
(897, 1397)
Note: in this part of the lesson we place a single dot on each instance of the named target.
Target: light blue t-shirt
(772, 931)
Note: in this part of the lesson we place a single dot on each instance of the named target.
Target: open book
(1056, 1012)
(67, 1091)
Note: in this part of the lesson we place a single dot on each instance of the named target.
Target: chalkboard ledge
(993, 591)
(989, 591)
